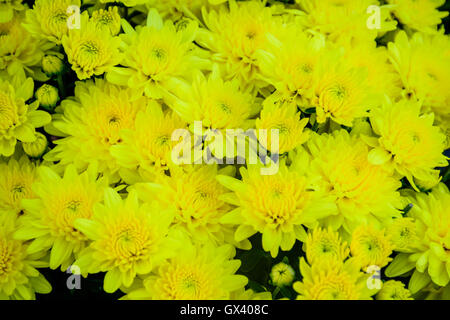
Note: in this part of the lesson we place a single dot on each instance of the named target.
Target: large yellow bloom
(19, 50)
(156, 54)
(91, 50)
(364, 192)
(127, 239)
(235, 34)
(423, 62)
(49, 219)
(16, 179)
(407, 140)
(92, 123)
(331, 280)
(420, 15)
(19, 279)
(196, 273)
(278, 206)
(148, 146)
(48, 19)
(17, 119)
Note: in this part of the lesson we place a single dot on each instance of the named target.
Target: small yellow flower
(331, 280)
(36, 148)
(370, 247)
(109, 19)
(394, 290)
(195, 273)
(91, 51)
(47, 96)
(128, 239)
(19, 278)
(324, 245)
(403, 234)
(16, 179)
(52, 65)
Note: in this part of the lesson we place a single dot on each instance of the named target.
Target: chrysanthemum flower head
(275, 205)
(289, 63)
(197, 272)
(394, 290)
(90, 50)
(403, 234)
(19, 50)
(109, 19)
(234, 35)
(432, 215)
(419, 15)
(370, 247)
(218, 104)
(155, 54)
(331, 280)
(17, 119)
(345, 21)
(19, 278)
(324, 245)
(407, 140)
(127, 239)
(8, 8)
(195, 196)
(16, 179)
(49, 219)
(285, 118)
(363, 191)
(423, 62)
(148, 146)
(341, 90)
(48, 19)
(92, 122)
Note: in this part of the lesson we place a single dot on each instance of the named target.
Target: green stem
(62, 89)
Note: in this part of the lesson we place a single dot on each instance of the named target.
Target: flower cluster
(333, 185)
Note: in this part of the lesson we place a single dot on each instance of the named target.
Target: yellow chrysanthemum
(16, 179)
(420, 15)
(128, 239)
(285, 119)
(432, 215)
(275, 205)
(19, 279)
(331, 280)
(195, 196)
(403, 234)
(90, 50)
(49, 219)
(325, 245)
(8, 8)
(394, 290)
(341, 90)
(370, 247)
(407, 140)
(148, 146)
(364, 192)
(109, 19)
(234, 35)
(17, 119)
(423, 62)
(92, 123)
(345, 21)
(195, 273)
(289, 64)
(48, 19)
(19, 51)
(156, 54)
(218, 104)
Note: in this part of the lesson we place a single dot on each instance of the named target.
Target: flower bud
(36, 148)
(109, 19)
(47, 96)
(282, 274)
(52, 65)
